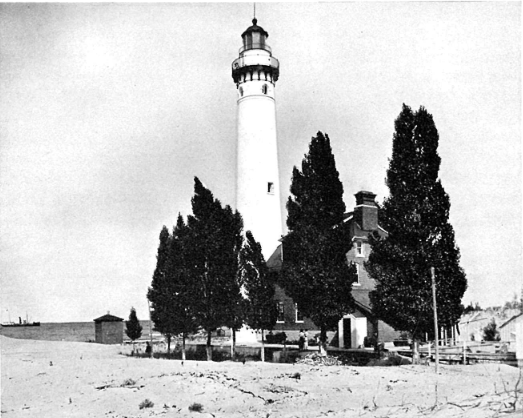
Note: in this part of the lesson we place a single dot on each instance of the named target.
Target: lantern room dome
(255, 28)
(255, 37)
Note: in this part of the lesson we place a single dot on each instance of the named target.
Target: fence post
(435, 317)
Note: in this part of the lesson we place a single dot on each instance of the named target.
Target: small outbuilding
(108, 329)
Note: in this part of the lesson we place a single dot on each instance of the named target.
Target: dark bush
(196, 407)
(278, 338)
(369, 342)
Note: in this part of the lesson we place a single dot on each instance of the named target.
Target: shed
(108, 329)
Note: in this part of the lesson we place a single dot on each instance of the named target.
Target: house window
(270, 188)
(264, 89)
(299, 315)
(359, 249)
(358, 269)
(281, 317)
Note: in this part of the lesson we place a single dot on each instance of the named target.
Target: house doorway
(347, 335)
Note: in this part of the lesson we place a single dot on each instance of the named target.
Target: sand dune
(66, 379)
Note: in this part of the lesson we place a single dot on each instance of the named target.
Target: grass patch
(146, 404)
(128, 382)
(196, 407)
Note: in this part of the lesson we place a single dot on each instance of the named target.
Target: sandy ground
(66, 379)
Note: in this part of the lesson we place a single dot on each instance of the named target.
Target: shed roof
(108, 318)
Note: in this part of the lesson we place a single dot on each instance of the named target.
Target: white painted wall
(257, 164)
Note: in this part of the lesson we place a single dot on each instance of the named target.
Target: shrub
(278, 338)
(146, 404)
(129, 382)
(369, 342)
(490, 332)
(196, 407)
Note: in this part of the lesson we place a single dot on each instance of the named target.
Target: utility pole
(150, 326)
(435, 317)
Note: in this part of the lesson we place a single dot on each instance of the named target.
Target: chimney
(366, 211)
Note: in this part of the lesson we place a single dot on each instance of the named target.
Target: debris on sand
(315, 359)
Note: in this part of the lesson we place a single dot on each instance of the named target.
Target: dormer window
(359, 249)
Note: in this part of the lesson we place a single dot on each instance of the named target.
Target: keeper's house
(356, 326)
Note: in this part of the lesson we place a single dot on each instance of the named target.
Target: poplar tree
(133, 329)
(172, 291)
(213, 243)
(160, 294)
(182, 286)
(315, 272)
(415, 215)
(259, 286)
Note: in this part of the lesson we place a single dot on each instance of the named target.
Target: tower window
(270, 188)
(241, 91)
(264, 89)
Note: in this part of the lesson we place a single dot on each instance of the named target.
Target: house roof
(510, 320)
(274, 262)
(361, 297)
(108, 318)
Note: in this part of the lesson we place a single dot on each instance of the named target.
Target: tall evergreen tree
(315, 273)
(415, 216)
(183, 285)
(133, 329)
(261, 312)
(213, 244)
(160, 294)
(172, 289)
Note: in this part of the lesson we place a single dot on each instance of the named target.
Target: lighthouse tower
(255, 73)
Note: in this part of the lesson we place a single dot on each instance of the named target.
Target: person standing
(306, 340)
(301, 341)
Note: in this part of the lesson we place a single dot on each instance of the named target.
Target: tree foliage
(415, 215)
(490, 332)
(315, 273)
(133, 329)
(196, 283)
(260, 311)
(172, 291)
(212, 244)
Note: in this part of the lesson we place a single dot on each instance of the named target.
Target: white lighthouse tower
(255, 73)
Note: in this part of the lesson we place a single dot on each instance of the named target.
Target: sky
(108, 111)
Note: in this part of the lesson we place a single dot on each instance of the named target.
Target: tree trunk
(183, 346)
(415, 351)
(168, 346)
(209, 346)
(323, 341)
(233, 344)
(262, 348)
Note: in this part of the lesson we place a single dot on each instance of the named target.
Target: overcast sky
(108, 111)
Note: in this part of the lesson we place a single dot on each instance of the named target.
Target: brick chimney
(366, 211)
